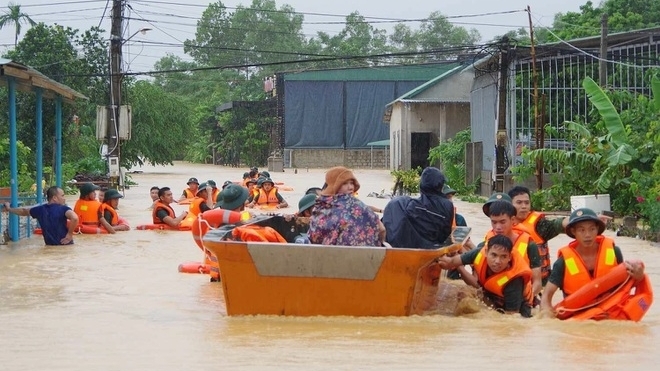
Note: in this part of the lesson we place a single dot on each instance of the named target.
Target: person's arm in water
(108, 227)
(535, 264)
(174, 222)
(546, 299)
(167, 219)
(22, 211)
(282, 202)
(210, 202)
(73, 224)
(459, 261)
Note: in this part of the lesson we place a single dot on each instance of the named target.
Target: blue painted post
(40, 145)
(58, 140)
(13, 158)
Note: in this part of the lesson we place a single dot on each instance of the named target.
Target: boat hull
(310, 280)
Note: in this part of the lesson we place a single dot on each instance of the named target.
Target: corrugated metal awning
(28, 79)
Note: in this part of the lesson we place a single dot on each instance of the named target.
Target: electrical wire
(107, 2)
(440, 51)
(581, 51)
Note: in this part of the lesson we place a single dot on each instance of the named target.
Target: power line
(441, 51)
(107, 2)
(156, 43)
(61, 3)
(599, 58)
(330, 14)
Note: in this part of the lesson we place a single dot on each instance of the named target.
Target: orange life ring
(162, 227)
(90, 229)
(266, 207)
(194, 267)
(609, 297)
(284, 188)
(212, 219)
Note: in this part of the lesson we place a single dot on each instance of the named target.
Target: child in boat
(341, 219)
(502, 273)
(589, 256)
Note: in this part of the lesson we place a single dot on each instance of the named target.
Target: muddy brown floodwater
(117, 302)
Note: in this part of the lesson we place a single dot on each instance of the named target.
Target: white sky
(179, 21)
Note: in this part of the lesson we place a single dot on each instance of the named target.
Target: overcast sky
(174, 21)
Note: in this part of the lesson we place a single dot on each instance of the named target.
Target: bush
(406, 181)
(451, 156)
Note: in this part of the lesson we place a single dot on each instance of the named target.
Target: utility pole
(538, 126)
(115, 90)
(501, 138)
(602, 64)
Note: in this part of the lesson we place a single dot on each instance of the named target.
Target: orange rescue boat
(310, 280)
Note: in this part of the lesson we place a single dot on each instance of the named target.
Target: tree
(358, 38)
(623, 15)
(160, 126)
(15, 17)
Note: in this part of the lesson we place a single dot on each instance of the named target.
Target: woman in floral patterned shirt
(341, 219)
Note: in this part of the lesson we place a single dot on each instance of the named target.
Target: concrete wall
(441, 119)
(454, 88)
(351, 158)
(483, 100)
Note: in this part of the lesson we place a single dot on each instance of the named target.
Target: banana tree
(597, 163)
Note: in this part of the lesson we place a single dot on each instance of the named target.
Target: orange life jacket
(189, 193)
(521, 244)
(194, 207)
(214, 194)
(529, 226)
(106, 207)
(495, 283)
(158, 205)
(576, 273)
(453, 222)
(257, 233)
(87, 211)
(267, 198)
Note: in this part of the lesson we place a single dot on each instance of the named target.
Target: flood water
(117, 302)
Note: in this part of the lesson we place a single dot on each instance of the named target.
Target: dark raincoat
(423, 222)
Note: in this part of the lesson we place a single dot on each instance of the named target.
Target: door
(420, 145)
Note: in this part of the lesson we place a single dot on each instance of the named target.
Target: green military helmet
(581, 215)
(499, 196)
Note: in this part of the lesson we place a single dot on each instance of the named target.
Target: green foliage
(451, 157)
(472, 198)
(407, 180)
(25, 177)
(615, 154)
(623, 15)
(161, 126)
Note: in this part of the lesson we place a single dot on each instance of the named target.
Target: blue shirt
(53, 222)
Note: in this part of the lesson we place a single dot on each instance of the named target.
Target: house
(561, 68)
(331, 116)
(428, 115)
